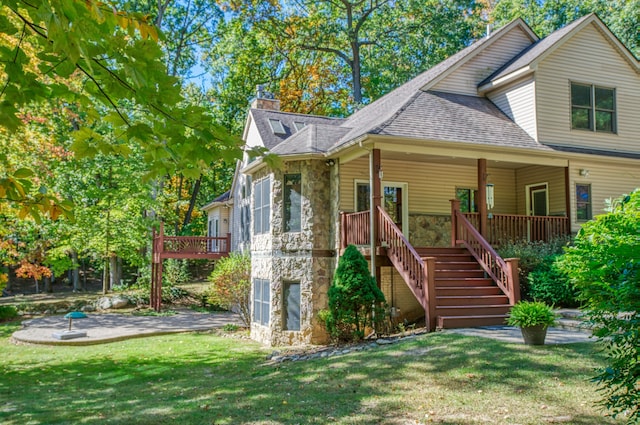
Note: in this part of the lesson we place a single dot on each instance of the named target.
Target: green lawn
(202, 378)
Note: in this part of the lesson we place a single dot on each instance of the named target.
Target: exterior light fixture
(584, 172)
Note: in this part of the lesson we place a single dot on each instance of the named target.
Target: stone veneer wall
(429, 230)
(306, 256)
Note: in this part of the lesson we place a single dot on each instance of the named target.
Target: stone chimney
(265, 100)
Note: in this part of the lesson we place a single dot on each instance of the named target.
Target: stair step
(449, 258)
(471, 300)
(433, 251)
(458, 281)
(573, 325)
(460, 273)
(452, 322)
(458, 265)
(468, 290)
(472, 310)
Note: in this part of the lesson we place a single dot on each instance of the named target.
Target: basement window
(276, 126)
(291, 308)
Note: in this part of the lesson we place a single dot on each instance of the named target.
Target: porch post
(374, 203)
(482, 194)
(455, 207)
(567, 200)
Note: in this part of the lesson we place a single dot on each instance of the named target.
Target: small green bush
(8, 312)
(355, 301)
(550, 284)
(532, 256)
(531, 313)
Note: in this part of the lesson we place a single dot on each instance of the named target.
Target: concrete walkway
(101, 328)
(513, 334)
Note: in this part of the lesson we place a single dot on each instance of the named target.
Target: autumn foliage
(231, 285)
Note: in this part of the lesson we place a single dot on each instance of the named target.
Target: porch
(456, 276)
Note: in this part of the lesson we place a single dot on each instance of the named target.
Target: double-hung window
(593, 108)
(262, 206)
(261, 301)
(292, 202)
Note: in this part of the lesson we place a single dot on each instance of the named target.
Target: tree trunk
(192, 203)
(47, 285)
(105, 277)
(75, 272)
(114, 275)
(355, 73)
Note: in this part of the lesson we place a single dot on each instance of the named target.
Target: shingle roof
(534, 51)
(271, 140)
(314, 138)
(434, 115)
(218, 200)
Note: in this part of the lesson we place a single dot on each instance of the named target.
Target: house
(514, 137)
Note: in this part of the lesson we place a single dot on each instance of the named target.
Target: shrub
(355, 301)
(8, 312)
(532, 256)
(605, 267)
(231, 285)
(550, 284)
(175, 272)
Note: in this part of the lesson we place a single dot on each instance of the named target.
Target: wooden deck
(182, 247)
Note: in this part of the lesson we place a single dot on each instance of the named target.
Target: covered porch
(448, 259)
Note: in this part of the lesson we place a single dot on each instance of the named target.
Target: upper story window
(262, 206)
(299, 125)
(292, 202)
(593, 108)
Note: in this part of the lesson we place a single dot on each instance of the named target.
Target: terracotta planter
(534, 335)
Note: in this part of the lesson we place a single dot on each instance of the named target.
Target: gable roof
(220, 200)
(270, 139)
(541, 49)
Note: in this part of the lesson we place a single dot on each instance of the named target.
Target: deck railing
(196, 244)
(503, 272)
(355, 229)
(511, 228)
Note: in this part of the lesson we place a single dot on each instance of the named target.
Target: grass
(201, 378)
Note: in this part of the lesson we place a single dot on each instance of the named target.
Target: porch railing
(503, 272)
(355, 229)
(510, 227)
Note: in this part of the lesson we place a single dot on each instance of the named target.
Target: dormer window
(593, 108)
(299, 125)
(276, 126)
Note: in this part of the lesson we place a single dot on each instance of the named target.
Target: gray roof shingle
(261, 118)
(314, 138)
(452, 117)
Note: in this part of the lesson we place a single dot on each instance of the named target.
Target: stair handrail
(407, 261)
(503, 271)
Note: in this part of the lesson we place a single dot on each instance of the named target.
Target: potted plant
(533, 318)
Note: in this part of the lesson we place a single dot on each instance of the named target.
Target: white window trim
(405, 198)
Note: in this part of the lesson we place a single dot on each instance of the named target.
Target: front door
(537, 206)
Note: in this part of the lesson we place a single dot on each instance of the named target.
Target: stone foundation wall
(429, 230)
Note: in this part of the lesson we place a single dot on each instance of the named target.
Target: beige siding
(608, 181)
(465, 79)
(430, 185)
(553, 176)
(587, 58)
(518, 102)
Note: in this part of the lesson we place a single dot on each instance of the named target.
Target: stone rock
(61, 311)
(87, 308)
(103, 303)
(382, 341)
(119, 302)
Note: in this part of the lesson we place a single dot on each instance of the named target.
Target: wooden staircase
(465, 295)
